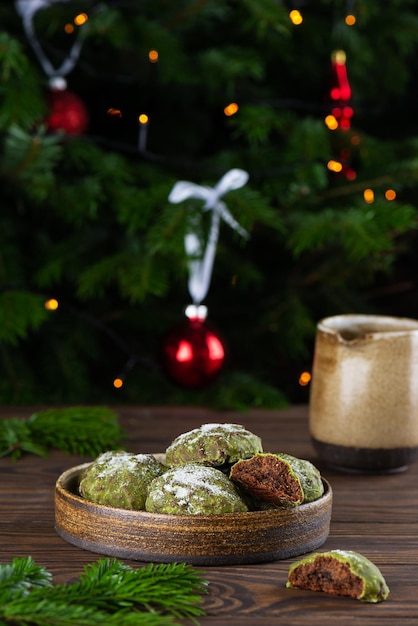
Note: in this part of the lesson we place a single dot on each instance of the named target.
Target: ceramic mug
(363, 408)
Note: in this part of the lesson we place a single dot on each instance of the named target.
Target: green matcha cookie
(120, 479)
(340, 573)
(213, 444)
(192, 490)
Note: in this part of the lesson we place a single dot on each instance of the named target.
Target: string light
(51, 304)
(119, 380)
(153, 56)
(81, 19)
(304, 379)
(296, 17)
(368, 195)
(231, 109)
(350, 20)
(390, 194)
(334, 166)
(68, 28)
(331, 122)
(143, 120)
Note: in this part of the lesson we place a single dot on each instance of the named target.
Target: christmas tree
(105, 106)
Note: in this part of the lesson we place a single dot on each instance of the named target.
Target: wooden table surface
(374, 515)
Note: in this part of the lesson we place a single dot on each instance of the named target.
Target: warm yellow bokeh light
(331, 122)
(390, 194)
(334, 166)
(143, 118)
(339, 57)
(81, 19)
(350, 19)
(368, 195)
(153, 56)
(304, 379)
(51, 304)
(69, 28)
(231, 109)
(118, 383)
(296, 17)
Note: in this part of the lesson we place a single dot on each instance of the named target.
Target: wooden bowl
(232, 538)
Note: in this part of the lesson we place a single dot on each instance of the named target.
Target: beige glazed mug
(363, 408)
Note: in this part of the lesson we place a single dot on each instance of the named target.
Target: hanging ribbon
(201, 262)
(27, 9)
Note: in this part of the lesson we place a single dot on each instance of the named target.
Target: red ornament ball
(193, 354)
(67, 112)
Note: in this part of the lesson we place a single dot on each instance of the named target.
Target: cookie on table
(193, 489)
(339, 573)
(213, 444)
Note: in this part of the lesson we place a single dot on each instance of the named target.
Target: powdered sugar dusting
(188, 478)
(213, 444)
(110, 463)
(224, 427)
(193, 489)
(206, 429)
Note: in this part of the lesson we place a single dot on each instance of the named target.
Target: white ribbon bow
(27, 10)
(201, 264)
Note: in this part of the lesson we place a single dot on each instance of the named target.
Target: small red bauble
(193, 353)
(67, 112)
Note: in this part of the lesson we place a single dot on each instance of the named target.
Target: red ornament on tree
(340, 92)
(67, 111)
(340, 115)
(193, 353)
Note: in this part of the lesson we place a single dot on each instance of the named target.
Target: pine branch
(20, 312)
(20, 576)
(108, 592)
(15, 439)
(46, 613)
(170, 587)
(75, 430)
